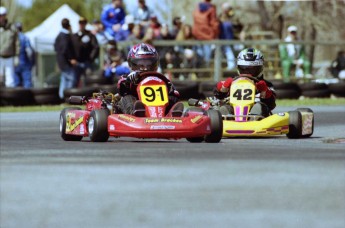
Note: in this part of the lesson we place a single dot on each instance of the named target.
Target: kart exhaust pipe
(76, 100)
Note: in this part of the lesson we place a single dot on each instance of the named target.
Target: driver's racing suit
(127, 86)
(265, 91)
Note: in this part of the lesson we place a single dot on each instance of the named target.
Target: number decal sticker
(245, 94)
(155, 95)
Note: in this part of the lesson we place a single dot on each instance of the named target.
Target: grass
(301, 102)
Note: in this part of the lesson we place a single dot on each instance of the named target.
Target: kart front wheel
(312, 121)
(63, 118)
(98, 125)
(216, 121)
(295, 125)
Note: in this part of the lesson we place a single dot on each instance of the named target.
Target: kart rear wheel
(295, 125)
(63, 118)
(216, 127)
(98, 125)
(312, 122)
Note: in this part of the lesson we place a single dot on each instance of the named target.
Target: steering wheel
(247, 76)
(143, 75)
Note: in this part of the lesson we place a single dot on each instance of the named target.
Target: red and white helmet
(143, 57)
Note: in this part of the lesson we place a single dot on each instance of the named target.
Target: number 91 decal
(155, 95)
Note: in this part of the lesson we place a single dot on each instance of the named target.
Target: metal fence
(216, 70)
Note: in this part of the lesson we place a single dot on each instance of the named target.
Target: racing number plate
(155, 95)
(242, 93)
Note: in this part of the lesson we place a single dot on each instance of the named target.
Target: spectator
(23, 75)
(113, 17)
(293, 54)
(338, 65)
(186, 52)
(137, 33)
(185, 33)
(66, 57)
(177, 25)
(86, 50)
(168, 54)
(126, 29)
(9, 48)
(149, 35)
(98, 31)
(155, 25)
(227, 33)
(142, 14)
(117, 66)
(165, 33)
(206, 26)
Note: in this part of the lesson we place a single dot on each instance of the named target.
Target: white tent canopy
(43, 36)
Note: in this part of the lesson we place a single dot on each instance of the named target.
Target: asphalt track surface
(271, 182)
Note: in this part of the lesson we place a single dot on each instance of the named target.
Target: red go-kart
(102, 117)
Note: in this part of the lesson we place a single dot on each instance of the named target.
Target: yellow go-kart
(295, 124)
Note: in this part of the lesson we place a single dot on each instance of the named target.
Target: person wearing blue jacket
(23, 74)
(113, 17)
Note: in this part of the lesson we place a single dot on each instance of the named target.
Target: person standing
(142, 14)
(23, 74)
(113, 17)
(86, 50)
(227, 33)
(66, 57)
(293, 55)
(206, 26)
(9, 49)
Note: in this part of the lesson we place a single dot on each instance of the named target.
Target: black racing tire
(312, 130)
(127, 104)
(62, 124)
(195, 140)
(95, 78)
(287, 94)
(98, 125)
(109, 88)
(48, 95)
(320, 93)
(85, 91)
(280, 85)
(207, 86)
(17, 96)
(207, 94)
(187, 89)
(216, 127)
(313, 86)
(337, 89)
(295, 125)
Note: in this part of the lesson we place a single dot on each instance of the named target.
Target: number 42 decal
(245, 94)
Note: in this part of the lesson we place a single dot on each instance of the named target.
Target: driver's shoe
(139, 109)
(177, 110)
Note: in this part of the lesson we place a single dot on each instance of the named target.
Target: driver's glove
(262, 87)
(133, 77)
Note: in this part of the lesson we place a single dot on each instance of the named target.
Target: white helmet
(250, 61)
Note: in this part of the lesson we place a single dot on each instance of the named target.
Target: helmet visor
(146, 64)
(254, 71)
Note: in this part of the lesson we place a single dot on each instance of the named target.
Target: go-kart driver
(250, 61)
(143, 58)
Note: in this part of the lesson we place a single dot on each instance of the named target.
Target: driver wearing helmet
(250, 61)
(143, 58)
